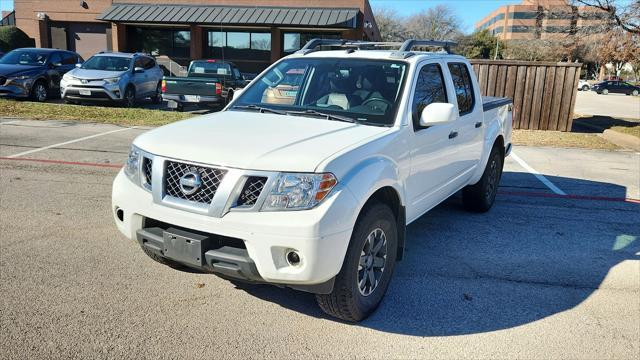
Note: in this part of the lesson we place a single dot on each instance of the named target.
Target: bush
(12, 38)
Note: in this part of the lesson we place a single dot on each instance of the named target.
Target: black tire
(157, 98)
(229, 97)
(585, 88)
(349, 300)
(480, 196)
(39, 91)
(179, 107)
(634, 93)
(129, 99)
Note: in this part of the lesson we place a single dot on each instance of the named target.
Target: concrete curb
(622, 140)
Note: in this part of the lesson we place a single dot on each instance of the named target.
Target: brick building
(542, 19)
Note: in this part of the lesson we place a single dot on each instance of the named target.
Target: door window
(149, 63)
(69, 59)
(55, 59)
(430, 88)
(462, 86)
(139, 63)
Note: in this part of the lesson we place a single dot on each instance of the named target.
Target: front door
(431, 147)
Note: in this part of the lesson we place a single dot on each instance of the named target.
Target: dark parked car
(208, 82)
(616, 87)
(34, 73)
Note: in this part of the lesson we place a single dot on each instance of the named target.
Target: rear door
(469, 129)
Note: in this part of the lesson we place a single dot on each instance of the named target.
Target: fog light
(293, 258)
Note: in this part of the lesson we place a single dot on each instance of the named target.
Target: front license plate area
(183, 247)
(85, 92)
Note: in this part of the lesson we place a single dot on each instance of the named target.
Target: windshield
(365, 90)
(107, 63)
(24, 57)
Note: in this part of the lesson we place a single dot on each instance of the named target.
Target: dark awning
(232, 15)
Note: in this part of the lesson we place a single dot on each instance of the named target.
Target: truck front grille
(147, 166)
(210, 179)
(251, 190)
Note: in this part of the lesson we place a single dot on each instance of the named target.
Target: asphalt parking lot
(552, 271)
(613, 105)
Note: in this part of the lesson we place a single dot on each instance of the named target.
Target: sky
(469, 11)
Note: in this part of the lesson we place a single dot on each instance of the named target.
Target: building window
(520, 29)
(239, 45)
(498, 30)
(169, 42)
(521, 15)
(293, 42)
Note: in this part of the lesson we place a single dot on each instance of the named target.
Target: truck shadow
(532, 256)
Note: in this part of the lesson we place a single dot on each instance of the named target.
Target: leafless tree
(436, 23)
(625, 14)
(390, 24)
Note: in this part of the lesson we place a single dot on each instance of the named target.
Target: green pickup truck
(208, 82)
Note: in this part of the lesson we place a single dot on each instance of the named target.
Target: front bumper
(16, 88)
(92, 91)
(320, 235)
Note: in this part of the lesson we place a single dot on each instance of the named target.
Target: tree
(390, 24)
(626, 15)
(534, 50)
(435, 23)
(12, 38)
(479, 45)
(619, 48)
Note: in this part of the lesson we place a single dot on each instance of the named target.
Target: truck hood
(255, 141)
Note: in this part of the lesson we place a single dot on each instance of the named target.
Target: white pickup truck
(309, 178)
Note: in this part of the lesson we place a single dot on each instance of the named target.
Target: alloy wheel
(373, 258)
(40, 92)
(492, 181)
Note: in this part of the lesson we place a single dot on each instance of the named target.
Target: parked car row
(610, 86)
(115, 77)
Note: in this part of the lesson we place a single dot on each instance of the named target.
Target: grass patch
(630, 130)
(560, 139)
(99, 114)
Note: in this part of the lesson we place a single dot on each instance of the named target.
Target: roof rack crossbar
(411, 43)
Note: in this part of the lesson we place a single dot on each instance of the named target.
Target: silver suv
(119, 77)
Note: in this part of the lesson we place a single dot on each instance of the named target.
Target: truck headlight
(111, 81)
(292, 191)
(132, 166)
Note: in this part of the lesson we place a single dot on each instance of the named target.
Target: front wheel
(585, 88)
(480, 196)
(129, 97)
(39, 91)
(367, 267)
(634, 93)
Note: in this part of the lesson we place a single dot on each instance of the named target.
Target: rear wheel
(39, 91)
(605, 92)
(480, 196)
(585, 88)
(367, 267)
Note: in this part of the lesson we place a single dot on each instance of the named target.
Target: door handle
(453, 134)
(478, 124)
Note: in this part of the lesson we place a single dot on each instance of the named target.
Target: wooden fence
(543, 93)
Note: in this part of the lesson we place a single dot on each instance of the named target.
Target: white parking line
(69, 142)
(539, 176)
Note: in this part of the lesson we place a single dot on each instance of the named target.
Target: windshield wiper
(325, 115)
(260, 109)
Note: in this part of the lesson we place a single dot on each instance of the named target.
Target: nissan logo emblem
(190, 183)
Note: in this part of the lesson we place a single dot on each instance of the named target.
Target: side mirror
(138, 70)
(78, 65)
(437, 113)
